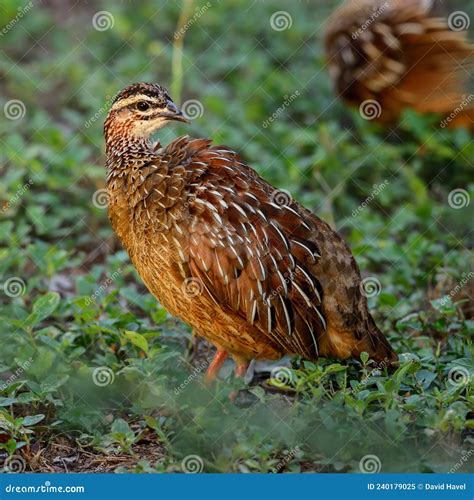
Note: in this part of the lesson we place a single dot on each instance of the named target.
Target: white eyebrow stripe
(132, 100)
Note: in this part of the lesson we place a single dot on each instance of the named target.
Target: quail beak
(174, 113)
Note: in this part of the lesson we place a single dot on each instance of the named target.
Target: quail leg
(241, 369)
(216, 365)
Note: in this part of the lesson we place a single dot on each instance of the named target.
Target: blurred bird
(389, 55)
(247, 267)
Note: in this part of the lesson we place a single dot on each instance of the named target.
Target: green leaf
(364, 357)
(120, 427)
(151, 422)
(335, 368)
(41, 366)
(42, 308)
(7, 401)
(159, 316)
(425, 378)
(32, 419)
(137, 339)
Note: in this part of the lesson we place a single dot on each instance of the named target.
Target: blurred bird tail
(401, 55)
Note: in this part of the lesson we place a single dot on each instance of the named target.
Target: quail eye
(143, 106)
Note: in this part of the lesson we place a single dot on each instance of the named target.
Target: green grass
(89, 362)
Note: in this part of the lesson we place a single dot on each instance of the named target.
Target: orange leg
(216, 365)
(241, 369)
